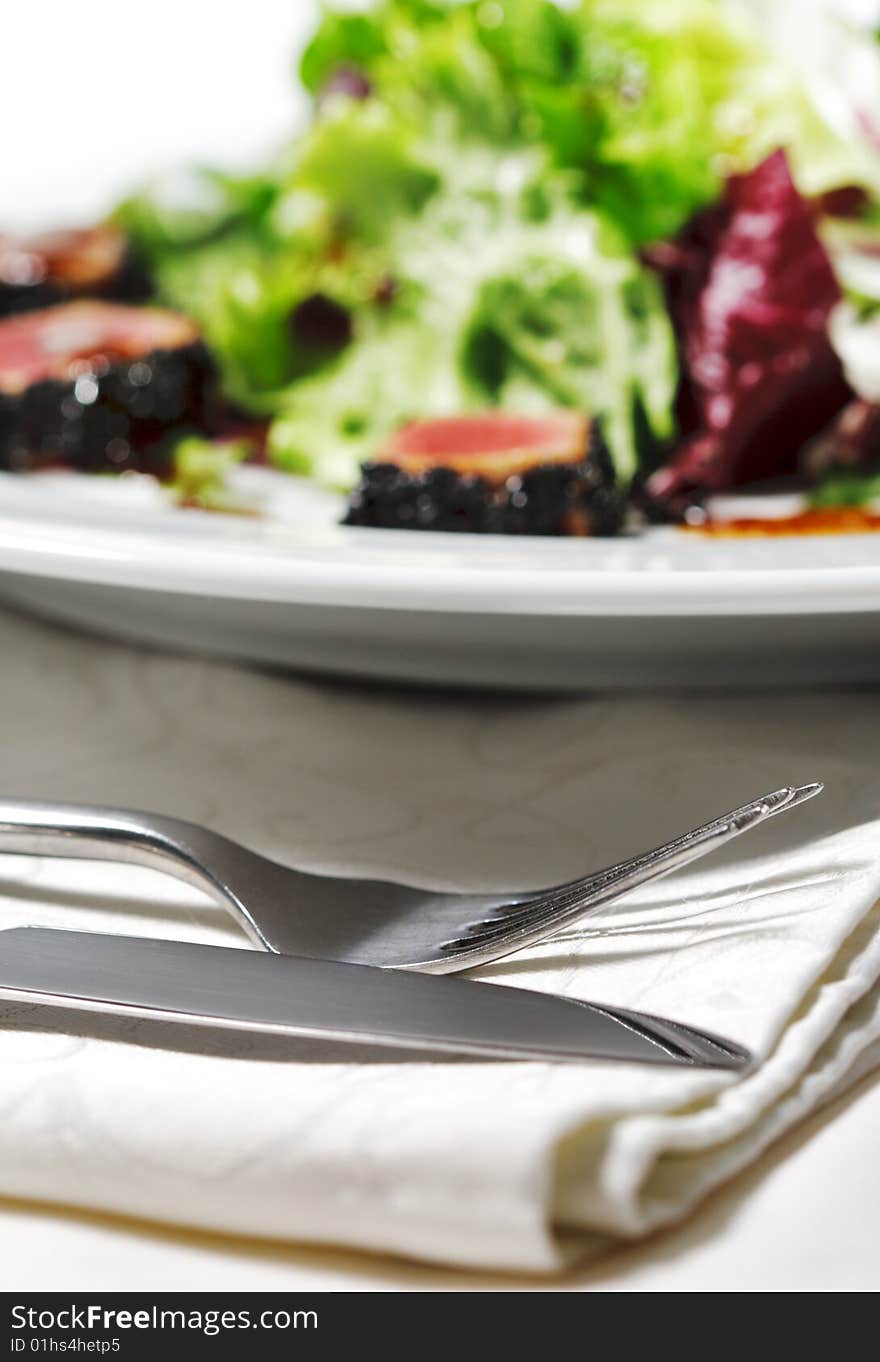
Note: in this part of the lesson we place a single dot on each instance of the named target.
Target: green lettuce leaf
(476, 220)
(495, 307)
(846, 489)
(365, 165)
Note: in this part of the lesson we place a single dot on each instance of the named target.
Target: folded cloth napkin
(772, 942)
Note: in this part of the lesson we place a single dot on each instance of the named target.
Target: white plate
(295, 588)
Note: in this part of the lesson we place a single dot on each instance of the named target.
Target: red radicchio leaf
(749, 287)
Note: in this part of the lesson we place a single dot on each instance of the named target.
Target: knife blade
(295, 996)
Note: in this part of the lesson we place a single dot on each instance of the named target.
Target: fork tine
(553, 909)
(659, 861)
(670, 856)
(689, 847)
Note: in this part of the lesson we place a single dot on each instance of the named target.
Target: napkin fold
(772, 942)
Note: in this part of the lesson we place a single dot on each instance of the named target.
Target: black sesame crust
(130, 282)
(124, 417)
(577, 498)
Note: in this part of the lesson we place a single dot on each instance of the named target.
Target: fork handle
(190, 853)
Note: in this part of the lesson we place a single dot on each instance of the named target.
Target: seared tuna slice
(493, 474)
(96, 262)
(95, 385)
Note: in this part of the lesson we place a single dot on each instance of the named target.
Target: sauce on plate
(824, 520)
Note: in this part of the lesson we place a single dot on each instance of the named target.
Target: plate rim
(148, 546)
(206, 570)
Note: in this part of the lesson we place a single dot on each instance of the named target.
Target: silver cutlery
(284, 995)
(371, 922)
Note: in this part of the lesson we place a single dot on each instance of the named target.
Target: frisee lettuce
(479, 214)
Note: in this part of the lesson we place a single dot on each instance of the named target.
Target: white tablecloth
(441, 789)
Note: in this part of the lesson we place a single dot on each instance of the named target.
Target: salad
(535, 267)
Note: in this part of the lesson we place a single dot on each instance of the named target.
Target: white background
(94, 97)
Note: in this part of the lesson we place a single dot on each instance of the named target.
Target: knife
(293, 996)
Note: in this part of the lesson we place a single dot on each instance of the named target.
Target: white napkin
(772, 942)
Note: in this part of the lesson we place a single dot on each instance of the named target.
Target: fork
(373, 922)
